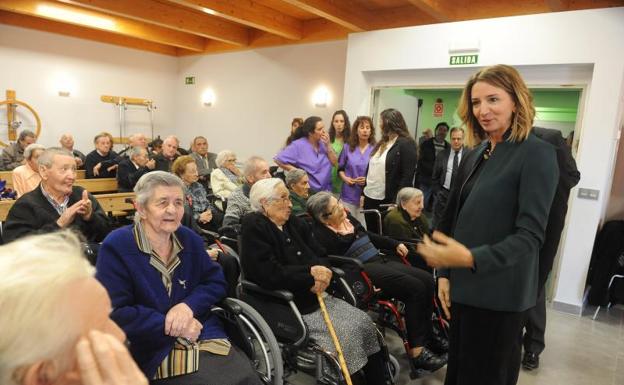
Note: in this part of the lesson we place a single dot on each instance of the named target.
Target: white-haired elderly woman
(407, 222)
(52, 302)
(227, 177)
(298, 184)
(341, 234)
(162, 285)
(26, 177)
(279, 253)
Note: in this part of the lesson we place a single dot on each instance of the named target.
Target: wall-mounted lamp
(321, 97)
(65, 85)
(208, 98)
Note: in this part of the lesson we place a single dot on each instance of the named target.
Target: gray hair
(317, 204)
(174, 138)
(251, 165)
(147, 184)
(406, 194)
(35, 287)
(222, 157)
(135, 151)
(263, 190)
(31, 149)
(47, 158)
(26, 134)
(293, 176)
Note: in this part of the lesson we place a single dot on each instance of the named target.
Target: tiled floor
(579, 351)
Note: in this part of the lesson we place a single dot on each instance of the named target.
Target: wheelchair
(249, 332)
(441, 324)
(278, 309)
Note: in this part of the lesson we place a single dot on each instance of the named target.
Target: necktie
(455, 166)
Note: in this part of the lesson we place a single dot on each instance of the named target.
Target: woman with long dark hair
(353, 163)
(339, 133)
(497, 214)
(391, 166)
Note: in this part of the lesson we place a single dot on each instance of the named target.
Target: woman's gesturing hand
(443, 251)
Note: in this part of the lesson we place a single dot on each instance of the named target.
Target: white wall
(32, 62)
(584, 47)
(257, 94)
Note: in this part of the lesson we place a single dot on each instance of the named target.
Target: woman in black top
(341, 234)
(497, 214)
(279, 253)
(392, 164)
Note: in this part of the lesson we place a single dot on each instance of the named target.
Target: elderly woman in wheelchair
(341, 234)
(279, 253)
(163, 286)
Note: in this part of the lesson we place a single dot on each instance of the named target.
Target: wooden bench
(7, 176)
(114, 204)
(98, 185)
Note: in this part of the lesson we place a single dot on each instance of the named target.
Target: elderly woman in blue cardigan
(162, 285)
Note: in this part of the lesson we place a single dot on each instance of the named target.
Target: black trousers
(413, 287)
(439, 206)
(536, 326)
(372, 223)
(485, 346)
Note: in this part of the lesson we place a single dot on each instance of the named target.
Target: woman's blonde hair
(508, 79)
(36, 271)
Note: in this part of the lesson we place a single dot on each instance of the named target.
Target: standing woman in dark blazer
(497, 215)
(391, 166)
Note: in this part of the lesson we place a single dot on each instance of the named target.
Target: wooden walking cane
(332, 332)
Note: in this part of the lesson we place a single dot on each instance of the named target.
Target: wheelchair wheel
(394, 368)
(266, 355)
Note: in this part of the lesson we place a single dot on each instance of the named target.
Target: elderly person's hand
(444, 252)
(96, 169)
(191, 332)
(402, 250)
(322, 277)
(78, 161)
(205, 217)
(151, 164)
(83, 207)
(113, 167)
(178, 319)
(213, 254)
(103, 360)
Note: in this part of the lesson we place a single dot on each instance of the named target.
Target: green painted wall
(559, 105)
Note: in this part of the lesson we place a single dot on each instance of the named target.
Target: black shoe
(428, 361)
(530, 361)
(438, 344)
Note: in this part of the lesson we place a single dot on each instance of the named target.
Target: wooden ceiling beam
(171, 16)
(251, 14)
(90, 19)
(558, 5)
(57, 27)
(440, 10)
(343, 12)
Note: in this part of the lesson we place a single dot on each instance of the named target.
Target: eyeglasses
(280, 200)
(334, 209)
(231, 160)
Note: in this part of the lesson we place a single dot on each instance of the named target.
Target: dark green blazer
(502, 222)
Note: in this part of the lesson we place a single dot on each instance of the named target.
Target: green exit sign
(459, 60)
(189, 80)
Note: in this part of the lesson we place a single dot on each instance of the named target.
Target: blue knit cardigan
(140, 300)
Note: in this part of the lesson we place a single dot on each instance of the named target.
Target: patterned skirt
(354, 328)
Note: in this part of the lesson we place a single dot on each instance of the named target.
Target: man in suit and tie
(444, 171)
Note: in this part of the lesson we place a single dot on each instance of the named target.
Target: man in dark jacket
(133, 167)
(444, 171)
(568, 177)
(57, 203)
(427, 153)
(169, 154)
